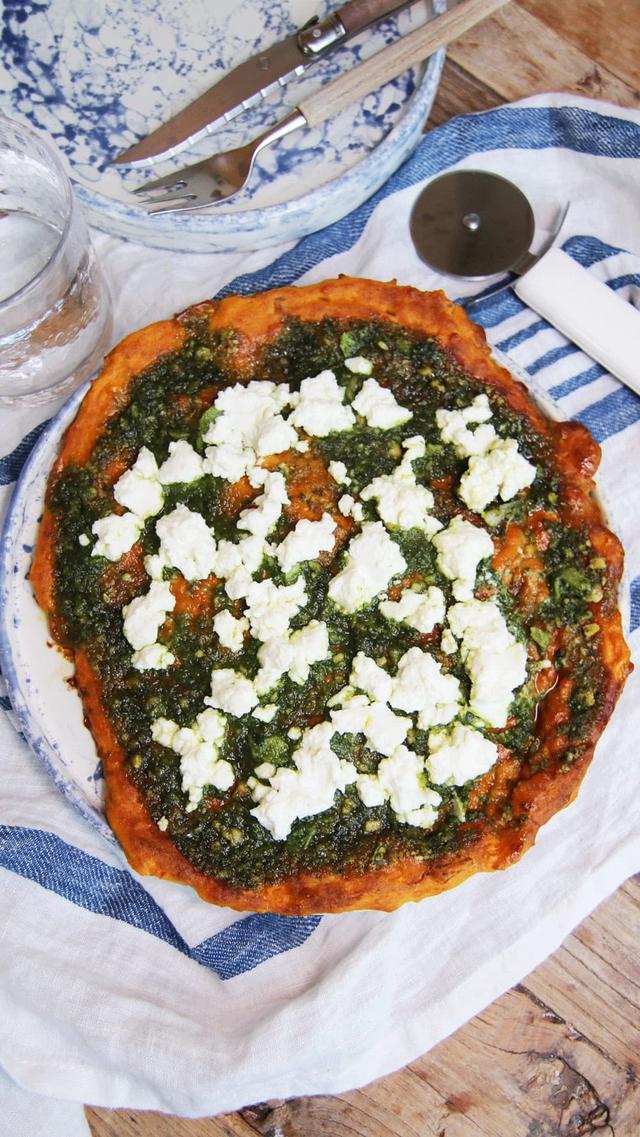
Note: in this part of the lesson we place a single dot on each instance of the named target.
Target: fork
(223, 176)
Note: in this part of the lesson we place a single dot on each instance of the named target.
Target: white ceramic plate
(48, 708)
(96, 76)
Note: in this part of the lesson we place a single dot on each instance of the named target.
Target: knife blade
(255, 78)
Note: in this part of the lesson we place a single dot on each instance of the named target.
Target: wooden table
(559, 1055)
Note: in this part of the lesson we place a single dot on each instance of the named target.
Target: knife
(252, 80)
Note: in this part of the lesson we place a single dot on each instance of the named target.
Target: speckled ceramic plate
(97, 75)
(47, 706)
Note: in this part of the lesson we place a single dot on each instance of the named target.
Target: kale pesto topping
(544, 602)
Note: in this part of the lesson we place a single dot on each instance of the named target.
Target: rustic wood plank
(597, 988)
(602, 29)
(517, 54)
(139, 1123)
(544, 1076)
(460, 93)
(402, 1105)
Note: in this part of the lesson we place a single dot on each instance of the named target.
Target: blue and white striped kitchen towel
(127, 992)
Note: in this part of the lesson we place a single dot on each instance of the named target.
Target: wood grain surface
(558, 1055)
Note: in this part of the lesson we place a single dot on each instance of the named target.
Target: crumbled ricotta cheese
(275, 657)
(383, 729)
(494, 660)
(182, 465)
(267, 507)
(238, 584)
(458, 755)
(186, 543)
(305, 790)
(320, 406)
(154, 565)
(153, 657)
(248, 404)
(369, 677)
(292, 655)
(199, 747)
(84, 540)
(310, 645)
(401, 501)
(231, 692)
(144, 615)
(271, 607)
(236, 564)
(228, 461)
(258, 790)
(138, 489)
(351, 508)
(274, 437)
(265, 714)
(415, 447)
(306, 541)
(266, 769)
(230, 629)
(400, 780)
(257, 476)
(358, 365)
(229, 559)
(461, 547)
(502, 470)
(248, 427)
(301, 446)
(421, 685)
(116, 533)
(454, 427)
(372, 560)
(448, 642)
(338, 472)
(164, 731)
(495, 464)
(378, 406)
(420, 610)
(211, 725)
(341, 696)
(370, 790)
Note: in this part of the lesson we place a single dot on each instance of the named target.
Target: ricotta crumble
(384, 703)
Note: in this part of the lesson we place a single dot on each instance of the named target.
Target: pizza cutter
(474, 224)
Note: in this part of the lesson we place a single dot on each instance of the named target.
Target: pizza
(340, 598)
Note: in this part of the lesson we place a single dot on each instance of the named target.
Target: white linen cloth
(123, 991)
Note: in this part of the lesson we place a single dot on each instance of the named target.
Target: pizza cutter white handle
(586, 311)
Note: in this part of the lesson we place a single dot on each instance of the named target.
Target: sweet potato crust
(255, 322)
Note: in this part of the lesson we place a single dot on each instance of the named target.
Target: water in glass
(55, 318)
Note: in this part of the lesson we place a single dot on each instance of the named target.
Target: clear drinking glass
(55, 308)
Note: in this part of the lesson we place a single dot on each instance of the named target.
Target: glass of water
(55, 308)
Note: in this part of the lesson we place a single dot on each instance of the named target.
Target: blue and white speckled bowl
(97, 76)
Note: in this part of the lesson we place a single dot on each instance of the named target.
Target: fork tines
(165, 194)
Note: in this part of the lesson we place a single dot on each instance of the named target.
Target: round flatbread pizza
(340, 597)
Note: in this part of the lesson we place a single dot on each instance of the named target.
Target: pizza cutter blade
(474, 224)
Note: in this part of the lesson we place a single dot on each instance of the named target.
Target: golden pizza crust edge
(255, 321)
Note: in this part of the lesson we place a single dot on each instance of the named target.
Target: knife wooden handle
(393, 60)
(360, 13)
